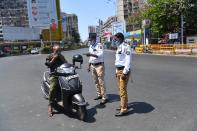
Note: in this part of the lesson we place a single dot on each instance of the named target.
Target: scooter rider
(53, 61)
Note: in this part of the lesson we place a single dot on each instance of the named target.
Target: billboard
(42, 13)
(133, 34)
(107, 32)
(174, 36)
(117, 27)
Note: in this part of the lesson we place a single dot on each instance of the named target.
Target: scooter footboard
(78, 99)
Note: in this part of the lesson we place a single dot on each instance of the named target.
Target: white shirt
(96, 49)
(123, 57)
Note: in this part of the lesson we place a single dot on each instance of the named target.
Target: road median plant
(45, 50)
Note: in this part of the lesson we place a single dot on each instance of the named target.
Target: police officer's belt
(120, 68)
(95, 64)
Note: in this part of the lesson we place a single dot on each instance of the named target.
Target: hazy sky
(88, 12)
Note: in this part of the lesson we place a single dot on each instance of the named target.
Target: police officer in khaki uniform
(122, 63)
(54, 60)
(96, 66)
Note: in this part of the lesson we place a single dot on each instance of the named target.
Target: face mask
(115, 42)
(92, 42)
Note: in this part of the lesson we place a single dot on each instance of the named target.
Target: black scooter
(69, 91)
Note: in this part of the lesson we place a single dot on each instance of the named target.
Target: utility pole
(182, 23)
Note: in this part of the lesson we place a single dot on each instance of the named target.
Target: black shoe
(118, 109)
(98, 97)
(120, 114)
(104, 101)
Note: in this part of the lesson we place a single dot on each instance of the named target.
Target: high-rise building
(69, 23)
(42, 14)
(91, 29)
(96, 30)
(107, 28)
(126, 8)
(14, 13)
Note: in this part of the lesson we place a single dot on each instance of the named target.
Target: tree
(76, 36)
(135, 18)
(68, 40)
(165, 14)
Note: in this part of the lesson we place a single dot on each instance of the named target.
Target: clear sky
(88, 12)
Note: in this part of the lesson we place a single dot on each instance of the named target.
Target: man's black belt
(95, 64)
(120, 68)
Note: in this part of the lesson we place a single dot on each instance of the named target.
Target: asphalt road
(162, 97)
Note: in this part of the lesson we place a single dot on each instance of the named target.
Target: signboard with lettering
(174, 36)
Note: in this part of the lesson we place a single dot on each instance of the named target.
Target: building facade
(69, 23)
(14, 13)
(126, 8)
(32, 14)
(107, 28)
(91, 29)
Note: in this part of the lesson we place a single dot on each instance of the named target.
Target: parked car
(7, 50)
(34, 51)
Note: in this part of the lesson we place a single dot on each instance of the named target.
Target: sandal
(50, 111)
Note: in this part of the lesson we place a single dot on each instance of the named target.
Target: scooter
(69, 89)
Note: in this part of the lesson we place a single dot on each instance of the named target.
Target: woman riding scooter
(54, 60)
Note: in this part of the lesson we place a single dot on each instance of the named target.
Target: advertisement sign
(174, 36)
(42, 13)
(117, 27)
(133, 34)
(53, 25)
(107, 32)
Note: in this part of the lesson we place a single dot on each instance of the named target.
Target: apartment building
(91, 29)
(69, 23)
(14, 13)
(107, 28)
(126, 8)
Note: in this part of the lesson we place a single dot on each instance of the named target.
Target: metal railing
(189, 49)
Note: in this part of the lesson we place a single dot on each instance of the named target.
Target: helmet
(77, 58)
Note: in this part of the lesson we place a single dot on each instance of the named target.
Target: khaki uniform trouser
(122, 88)
(98, 72)
(53, 81)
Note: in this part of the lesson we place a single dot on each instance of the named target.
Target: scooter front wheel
(82, 112)
(44, 91)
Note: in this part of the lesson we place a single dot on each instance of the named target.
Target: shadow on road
(113, 98)
(90, 113)
(139, 108)
(134, 107)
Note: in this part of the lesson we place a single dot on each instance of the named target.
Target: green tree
(166, 14)
(68, 40)
(76, 36)
(135, 18)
